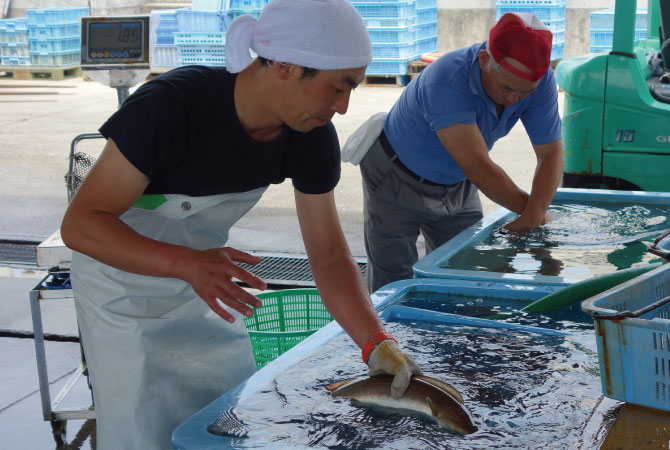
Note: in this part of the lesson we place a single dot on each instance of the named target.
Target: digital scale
(115, 51)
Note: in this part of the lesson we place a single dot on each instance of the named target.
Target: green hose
(580, 291)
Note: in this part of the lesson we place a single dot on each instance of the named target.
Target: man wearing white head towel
(187, 155)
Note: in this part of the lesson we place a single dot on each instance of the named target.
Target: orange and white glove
(382, 355)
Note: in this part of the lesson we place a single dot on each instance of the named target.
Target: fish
(426, 395)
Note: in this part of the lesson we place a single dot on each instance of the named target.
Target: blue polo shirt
(449, 91)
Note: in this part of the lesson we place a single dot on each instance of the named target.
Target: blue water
(524, 390)
(584, 240)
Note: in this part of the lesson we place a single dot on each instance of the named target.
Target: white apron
(156, 352)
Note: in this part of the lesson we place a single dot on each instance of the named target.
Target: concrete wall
(464, 22)
(17, 8)
(460, 22)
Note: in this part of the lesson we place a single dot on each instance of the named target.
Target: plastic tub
(286, 318)
(193, 433)
(634, 352)
(441, 262)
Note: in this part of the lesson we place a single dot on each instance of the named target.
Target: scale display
(115, 40)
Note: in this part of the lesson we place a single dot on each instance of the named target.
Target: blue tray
(434, 264)
(193, 434)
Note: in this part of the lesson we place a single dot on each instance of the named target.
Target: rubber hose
(586, 288)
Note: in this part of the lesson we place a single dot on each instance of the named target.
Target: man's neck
(254, 105)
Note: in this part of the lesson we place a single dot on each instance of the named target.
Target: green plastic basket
(286, 318)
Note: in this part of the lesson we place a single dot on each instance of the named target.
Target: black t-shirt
(181, 130)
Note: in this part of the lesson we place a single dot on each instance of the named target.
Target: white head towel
(319, 34)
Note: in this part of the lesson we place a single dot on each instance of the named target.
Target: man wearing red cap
(423, 173)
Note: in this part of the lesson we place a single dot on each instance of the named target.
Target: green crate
(286, 318)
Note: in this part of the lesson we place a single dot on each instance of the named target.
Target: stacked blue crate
(14, 44)
(426, 27)
(54, 35)
(392, 28)
(550, 12)
(240, 7)
(602, 28)
(163, 26)
(201, 37)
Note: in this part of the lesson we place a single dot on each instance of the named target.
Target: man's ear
(483, 59)
(284, 70)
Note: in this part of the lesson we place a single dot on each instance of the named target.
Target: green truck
(616, 112)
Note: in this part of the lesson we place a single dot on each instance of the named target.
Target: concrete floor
(38, 121)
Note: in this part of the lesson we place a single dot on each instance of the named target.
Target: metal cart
(52, 254)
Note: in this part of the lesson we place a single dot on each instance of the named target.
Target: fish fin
(338, 384)
(433, 409)
(228, 424)
(446, 387)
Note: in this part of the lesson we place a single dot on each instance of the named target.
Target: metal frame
(51, 411)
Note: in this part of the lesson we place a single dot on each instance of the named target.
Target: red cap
(523, 37)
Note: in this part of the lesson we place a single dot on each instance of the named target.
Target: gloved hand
(386, 357)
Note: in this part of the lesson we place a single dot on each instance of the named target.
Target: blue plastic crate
(427, 30)
(603, 38)
(634, 353)
(246, 5)
(165, 37)
(604, 19)
(558, 37)
(428, 45)
(57, 59)
(235, 13)
(164, 56)
(388, 66)
(427, 15)
(420, 4)
(530, 2)
(14, 49)
(400, 51)
(205, 60)
(385, 9)
(544, 13)
(600, 48)
(54, 30)
(15, 60)
(207, 5)
(17, 37)
(50, 45)
(555, 25)
(195, 38)
(390, 22)
(557, 51)
(392, 35)
(55, 16)
(12, 25)
(202, 21)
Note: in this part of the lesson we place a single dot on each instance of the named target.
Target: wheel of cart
(55, 256)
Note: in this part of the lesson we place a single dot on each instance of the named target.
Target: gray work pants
(397, 208)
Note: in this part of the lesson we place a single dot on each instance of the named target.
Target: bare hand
(524, 223)
(210, 274)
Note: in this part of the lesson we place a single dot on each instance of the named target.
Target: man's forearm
(546, 180)
(499, 187)
(345, 295)
(109, 240)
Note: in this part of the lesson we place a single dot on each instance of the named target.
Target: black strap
(393, 157)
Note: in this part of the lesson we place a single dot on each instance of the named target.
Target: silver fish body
(426, 395)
